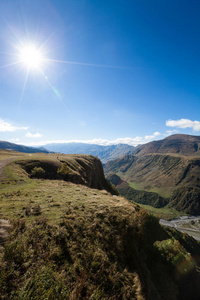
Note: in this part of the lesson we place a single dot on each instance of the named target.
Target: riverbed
(186, 224)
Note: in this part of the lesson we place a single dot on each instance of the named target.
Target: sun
(31, 57)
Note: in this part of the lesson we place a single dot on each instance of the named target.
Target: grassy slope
(178, 143)
(162, 174)
(142, 197)
(158, 171)
(73, 242)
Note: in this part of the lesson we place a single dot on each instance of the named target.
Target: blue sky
(112, 71)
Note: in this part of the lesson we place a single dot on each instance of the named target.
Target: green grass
(134, 185)
(163, 192)
(166, 212)
(69, 241)
(6, 154)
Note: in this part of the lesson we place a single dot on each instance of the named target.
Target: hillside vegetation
(168, 175)
(69, 241)
(142, 197)
(80, 169)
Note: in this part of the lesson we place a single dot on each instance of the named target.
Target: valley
(169, 168)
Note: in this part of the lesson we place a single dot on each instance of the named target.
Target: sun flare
(31, 57)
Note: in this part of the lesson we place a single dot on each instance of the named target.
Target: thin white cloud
(151, 137)
(103, 142)
(33, 135)
(15, 140)
(184, 123)
(170, 132)
(5, 126)
(130, 141)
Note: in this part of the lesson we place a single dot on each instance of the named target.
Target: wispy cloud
(15, 140)
(5, 126)
(33, 135)
(138, 140)
(153, 136)
(169, 132)
(184, 123)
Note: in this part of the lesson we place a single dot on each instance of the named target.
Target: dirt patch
(3, 164)
(4, 231)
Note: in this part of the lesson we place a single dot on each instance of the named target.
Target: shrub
(64, 170)
(38, 172)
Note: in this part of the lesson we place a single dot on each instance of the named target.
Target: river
(186, 224)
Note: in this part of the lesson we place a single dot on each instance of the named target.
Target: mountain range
(159, 173)
(104, 153)
(169, 168)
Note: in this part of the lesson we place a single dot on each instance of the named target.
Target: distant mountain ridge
(177, 143)
(104, 153)
(20, 148)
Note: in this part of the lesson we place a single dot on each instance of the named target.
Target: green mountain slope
(177, 143)
(69, 241)
(142, 197)
(164, 174)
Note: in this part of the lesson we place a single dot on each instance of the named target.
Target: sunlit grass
(134, 185)
(164, 192)
(166, 212)
(73, 242)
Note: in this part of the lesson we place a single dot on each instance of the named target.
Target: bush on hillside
(38, 172)
(64, 171)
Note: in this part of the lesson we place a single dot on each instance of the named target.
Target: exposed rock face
(88, 170)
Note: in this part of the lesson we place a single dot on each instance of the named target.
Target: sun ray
(33, 58)
(10, 65)
(86, 64)
(53, 89)
(24, 87)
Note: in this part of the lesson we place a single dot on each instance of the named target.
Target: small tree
(38, 172)
(64, 170)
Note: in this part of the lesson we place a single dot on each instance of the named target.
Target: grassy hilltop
(70, 238)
